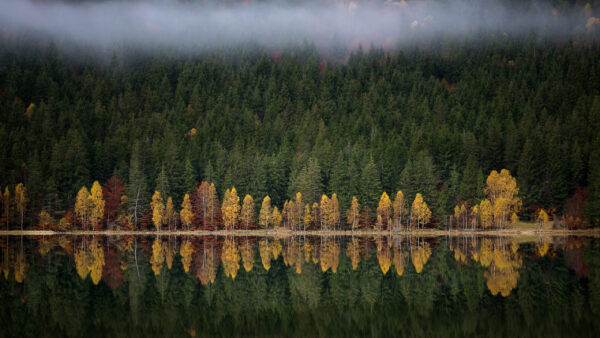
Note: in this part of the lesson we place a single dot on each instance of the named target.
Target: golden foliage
(420, 256)
(384, 210)
(247, 213)
(186, 251)
(543, 219)
(486, 213)
(83, 206)
(97, 201)
(420, 211)
(276, 218)
(230, 208)
(308, 218)
(265, 253)
(264, 217)
(399, 208)
(501, 189)
(90, 261)
(158, 210)
(158, 257)
(353, 252)
(230, 257)
(384, 257)
(247, 252)
(186, 214)
(20, 267)
(399, 260)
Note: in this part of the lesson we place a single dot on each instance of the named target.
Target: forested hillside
(435, 118)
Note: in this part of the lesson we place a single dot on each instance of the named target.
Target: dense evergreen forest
(435, 118)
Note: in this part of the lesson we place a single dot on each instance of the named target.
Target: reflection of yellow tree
(97, 262)
(503, 263)
(247, 251)
(399, 260)
(276, 248)
(90, 261)
(265, 253)
(81, 262)
(353, 252)
(307, 248)
(542, 248)
(20, 267)
(330, 256)
(420, 255)
(169, 255)
(230, 257)
(158, 257)
(5, 262)
(384, 256)
(186, 251)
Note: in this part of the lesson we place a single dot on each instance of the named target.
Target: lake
(172, 286)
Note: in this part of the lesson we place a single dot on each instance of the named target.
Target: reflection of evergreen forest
(141, 286)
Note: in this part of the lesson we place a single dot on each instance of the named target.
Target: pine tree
(136, 187)
(370, 185)
(592, 205)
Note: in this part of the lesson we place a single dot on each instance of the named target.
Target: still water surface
(299, 286)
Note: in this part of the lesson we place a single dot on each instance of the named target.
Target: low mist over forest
(319, 97)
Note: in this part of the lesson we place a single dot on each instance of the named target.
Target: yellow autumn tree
(98, 204)
(420, 211)
(158, 210)
(335, 211)
(486, 213)
(353, 214)
(21, 200)
(543, 219)
(265, 214)
(299, 207)
(399, 208)
(230, 208)
(247, 213)
(326, 210)
(83, 206)
(276, 218)
(186, 214)
(501, 189)
(307, 220)
(170, 214)
(384, 210)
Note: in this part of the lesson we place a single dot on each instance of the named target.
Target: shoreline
(315, 233)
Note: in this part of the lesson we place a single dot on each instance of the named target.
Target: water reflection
(408, 276)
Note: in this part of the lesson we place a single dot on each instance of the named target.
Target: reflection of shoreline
(290, 233)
